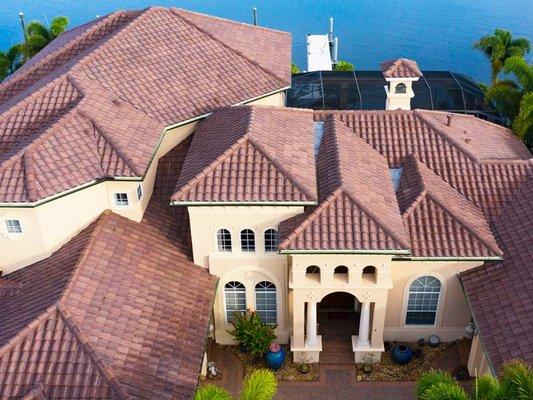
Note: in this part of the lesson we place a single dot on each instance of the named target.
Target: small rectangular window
(139, 192)
(121, 199)
(13, 226)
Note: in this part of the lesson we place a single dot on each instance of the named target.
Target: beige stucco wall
(452, 315)
(249, 268)
(48, 226)
(477, 361)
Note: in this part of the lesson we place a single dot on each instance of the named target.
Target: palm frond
(522, 70)
(446, 391)
(505, 95)
(486, 388)
(37, 28)
(517, 381)
(58, 25)
(430, 379)
(211, 392)
(523, 44)
(259, 385)
(33, 45)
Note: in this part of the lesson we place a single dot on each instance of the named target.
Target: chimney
(449, 119)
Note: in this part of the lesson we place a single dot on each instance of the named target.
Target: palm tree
(499, 47)
(38, 35)
(514, 97)
(259, 385)
(10, 61)
(515, 383)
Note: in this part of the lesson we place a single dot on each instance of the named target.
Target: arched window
(235, 294)
(271, 240)
(401, 88)
(423, 301)
(265, 299)
(341, 269)
(224, 240)
(247, 240)
(312, 269)
(369, 273)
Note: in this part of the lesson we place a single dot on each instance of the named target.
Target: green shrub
(343, 66)
(294, 69)
(259, 385)
(251, 333)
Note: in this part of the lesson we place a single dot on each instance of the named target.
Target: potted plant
(304, 368)
(401, 354)
(367, 364)
(275, 356)
(252, 334)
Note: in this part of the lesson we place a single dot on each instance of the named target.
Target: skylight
(395, 175)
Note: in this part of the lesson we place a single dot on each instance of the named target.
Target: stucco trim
(361, 251)
(488, 258)
(242, 203)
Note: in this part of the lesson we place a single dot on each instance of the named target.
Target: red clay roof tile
(358, 209)
(400, 68)
(250, 154)
(126, 64)
(124, 302)
(501, 295)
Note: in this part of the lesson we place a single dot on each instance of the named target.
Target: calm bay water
(437, 33)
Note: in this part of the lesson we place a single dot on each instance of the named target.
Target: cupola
(400, 75)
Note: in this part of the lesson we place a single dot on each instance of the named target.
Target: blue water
(437, 33)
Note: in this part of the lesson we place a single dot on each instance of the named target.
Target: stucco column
(310, 337)
(298, 317)
(378, 324)
(364, 325)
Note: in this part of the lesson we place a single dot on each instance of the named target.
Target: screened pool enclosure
(364, 90)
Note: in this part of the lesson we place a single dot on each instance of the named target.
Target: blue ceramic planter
(401, 354)
(275, 359)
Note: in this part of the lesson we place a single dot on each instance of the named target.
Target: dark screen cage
(364, 90)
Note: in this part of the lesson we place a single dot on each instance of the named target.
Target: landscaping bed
(388, 371)
(290, 371)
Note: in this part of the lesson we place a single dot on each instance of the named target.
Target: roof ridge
(29, 176)
(226, 20)
(470, 155)
(89, 348)
(261, 149)
(377, 220)
(317, 211)
(113, 143)
(465, 225)
(209, 168)
(240, 54)
(72, 42)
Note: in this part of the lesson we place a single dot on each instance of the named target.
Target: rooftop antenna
(255, 15)
(23, 25)
(330, 34)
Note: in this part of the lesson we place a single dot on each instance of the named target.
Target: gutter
(469, 303)
(242, 203)
(491, 258)
(376, 252)
(139, 178)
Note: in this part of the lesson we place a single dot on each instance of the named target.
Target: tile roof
(114, 313)
(250, 154)
(68, 135)
(130, 60)
(358, 208)
(501, 295)
(486, 171)
(400, 68)
(440, 221)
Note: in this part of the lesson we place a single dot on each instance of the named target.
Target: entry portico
(315, 276)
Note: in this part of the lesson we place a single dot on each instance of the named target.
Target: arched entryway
(338, 320)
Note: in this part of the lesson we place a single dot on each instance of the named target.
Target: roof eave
(241, 203)
(347, 251)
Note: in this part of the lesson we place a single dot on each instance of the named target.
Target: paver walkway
(336, 382)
